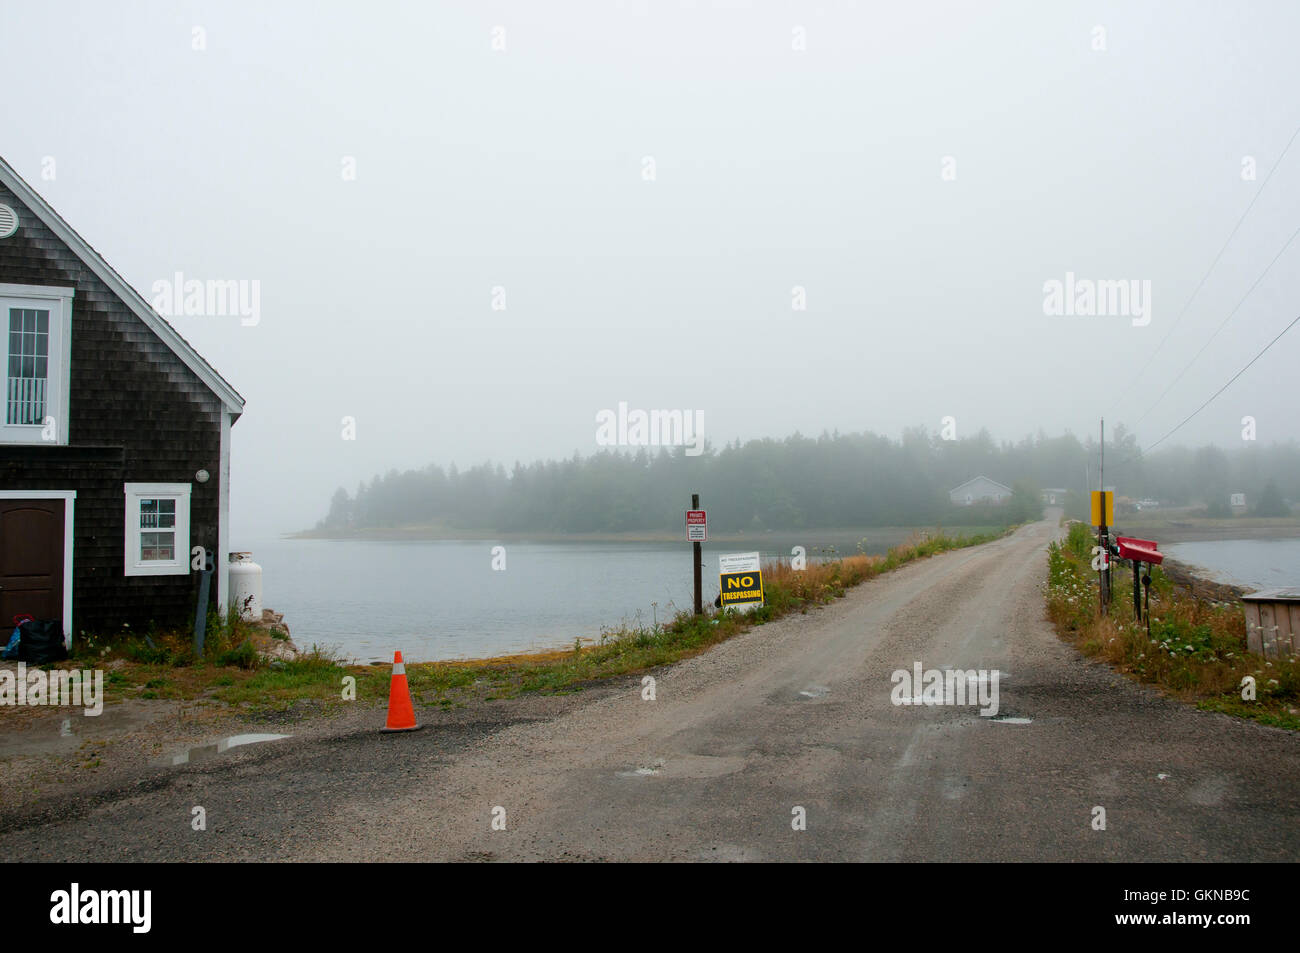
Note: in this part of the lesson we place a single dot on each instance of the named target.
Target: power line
(1225, 386)
(1188, 365)
(1197, 290)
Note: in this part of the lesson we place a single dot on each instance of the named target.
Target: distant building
(979, 490)
(1237, 501)
(1054, 496)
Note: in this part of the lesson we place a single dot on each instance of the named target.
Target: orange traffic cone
(401, 713)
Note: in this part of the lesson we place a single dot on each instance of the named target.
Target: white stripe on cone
(399, 668)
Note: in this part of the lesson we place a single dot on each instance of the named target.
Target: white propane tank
(246, 586)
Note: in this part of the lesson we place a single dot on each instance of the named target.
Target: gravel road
(796, 714)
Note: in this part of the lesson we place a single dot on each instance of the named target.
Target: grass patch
(312, 675)
(243, 656)
(1196, 651)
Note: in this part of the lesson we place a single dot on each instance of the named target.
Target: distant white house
(979, 490)
(1054, 496)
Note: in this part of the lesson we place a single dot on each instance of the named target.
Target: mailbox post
(1137, 591)
(1146, 587)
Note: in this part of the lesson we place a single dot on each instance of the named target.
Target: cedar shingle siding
(137, 414)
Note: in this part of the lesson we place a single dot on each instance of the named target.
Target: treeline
(835, 480)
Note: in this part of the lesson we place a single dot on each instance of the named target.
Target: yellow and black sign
(741, 588)
(1103, 508)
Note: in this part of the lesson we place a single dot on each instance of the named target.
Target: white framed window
(36, 323)
(157, 529)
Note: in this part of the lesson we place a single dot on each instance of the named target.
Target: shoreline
(895, 534)
(1198, 582)
(1201, 581)
(1200, 530)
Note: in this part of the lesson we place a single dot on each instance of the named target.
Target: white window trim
(59, 301)
(132, 565)
(69, 498)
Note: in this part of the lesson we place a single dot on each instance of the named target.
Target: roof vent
(8, 221)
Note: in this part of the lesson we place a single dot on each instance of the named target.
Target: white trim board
(221, 558)
(38, 291)
(69, 498)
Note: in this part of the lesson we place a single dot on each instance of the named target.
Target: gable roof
(119, 286)
(976, 480)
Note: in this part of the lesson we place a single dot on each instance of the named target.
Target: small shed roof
(1280, 594)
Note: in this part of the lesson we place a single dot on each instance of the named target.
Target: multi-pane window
(35, 364)
(157, 530)
(29, 355)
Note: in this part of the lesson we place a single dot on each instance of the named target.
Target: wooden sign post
(696, 535)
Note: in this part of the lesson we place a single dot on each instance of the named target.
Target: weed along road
(803, 739)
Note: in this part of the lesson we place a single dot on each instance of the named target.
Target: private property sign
(740, 580)
(696, 527)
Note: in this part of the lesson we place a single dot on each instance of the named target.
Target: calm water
(443, 600)
(1258, 563)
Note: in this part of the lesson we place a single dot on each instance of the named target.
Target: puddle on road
(1013, 721)
(815, 691)
(203, 752)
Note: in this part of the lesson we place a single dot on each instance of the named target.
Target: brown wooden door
(31, 560)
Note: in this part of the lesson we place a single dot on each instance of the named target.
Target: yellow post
(1103, 508)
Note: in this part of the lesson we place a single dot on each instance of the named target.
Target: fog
(473, 228)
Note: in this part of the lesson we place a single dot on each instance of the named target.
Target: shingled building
(115, 439)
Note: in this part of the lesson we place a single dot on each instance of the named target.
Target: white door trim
(69, 498)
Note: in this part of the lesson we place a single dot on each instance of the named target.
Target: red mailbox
(1139, 550)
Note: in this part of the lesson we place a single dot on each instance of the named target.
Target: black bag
(41, 642)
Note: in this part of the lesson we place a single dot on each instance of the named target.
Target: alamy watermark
(214, 298)
(1084, 297)
(75, 905)
(953, 686)
(652, 428)
(83, 688)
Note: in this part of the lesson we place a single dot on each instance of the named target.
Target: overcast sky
(920, 170)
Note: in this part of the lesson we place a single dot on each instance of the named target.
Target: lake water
(1257, 563)
(442, 600)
